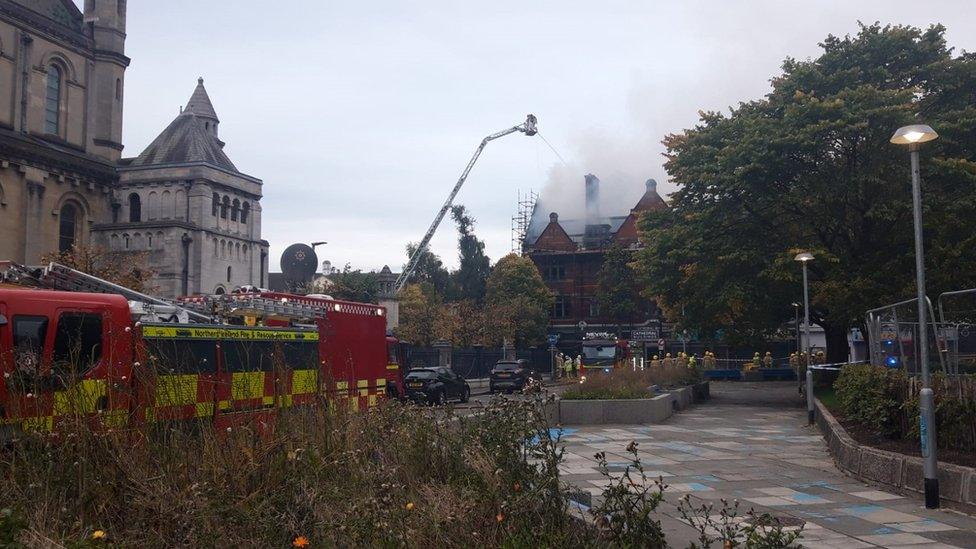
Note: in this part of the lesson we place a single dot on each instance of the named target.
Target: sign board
(645, 334)
(660, 344)
(553, 339)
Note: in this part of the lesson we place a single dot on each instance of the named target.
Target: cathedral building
(64, 182)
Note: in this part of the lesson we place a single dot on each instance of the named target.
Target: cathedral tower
(106, 24)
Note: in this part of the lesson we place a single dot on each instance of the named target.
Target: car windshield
(422, 374)
(506, 366)
(599, 351)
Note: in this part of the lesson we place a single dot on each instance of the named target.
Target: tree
(430, 269)
(474, 266)
(129, 269)
(354, 285)
(809, 167)
(422, 315)
(518, 302)
(616, 292)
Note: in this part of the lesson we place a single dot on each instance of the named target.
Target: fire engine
(73, 345)
(603, 351)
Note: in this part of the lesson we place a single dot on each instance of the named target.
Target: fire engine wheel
(465, 393)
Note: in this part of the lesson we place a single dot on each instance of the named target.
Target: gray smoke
(622, 165)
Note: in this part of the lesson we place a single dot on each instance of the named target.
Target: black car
(511, 375)
(435, 386)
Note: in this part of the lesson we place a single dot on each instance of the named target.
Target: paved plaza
(768, 458)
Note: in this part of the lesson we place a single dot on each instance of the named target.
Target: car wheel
(465, 394)
(439, 398)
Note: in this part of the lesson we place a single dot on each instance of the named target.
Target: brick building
(569, 254)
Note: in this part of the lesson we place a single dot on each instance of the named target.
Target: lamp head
(805, 256)
(913, 135)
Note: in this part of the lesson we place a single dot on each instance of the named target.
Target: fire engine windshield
(599, 351)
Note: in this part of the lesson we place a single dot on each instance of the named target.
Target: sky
(360, 116)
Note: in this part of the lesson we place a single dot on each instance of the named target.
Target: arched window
(228, 273)
(52, 107)
(215, 205)
(149, 240)
(245, 209)
(220, 290)
(135, 208)
(118, 89)
(216, 248)
(125, 241)
(68, 227)
(235, 209)
(224, 207)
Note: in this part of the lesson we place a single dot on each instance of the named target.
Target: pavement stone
(770, 460)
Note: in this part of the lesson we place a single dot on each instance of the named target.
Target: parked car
(435, 386)
(511, 375)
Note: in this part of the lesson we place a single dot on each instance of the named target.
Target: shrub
(872, 396)
(625, 383)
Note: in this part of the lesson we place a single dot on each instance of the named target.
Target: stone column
(33, 223)
(444, 353)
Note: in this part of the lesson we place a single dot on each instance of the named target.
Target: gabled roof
(651, 201)
(554, 237)
(185, 141)
(199, 103)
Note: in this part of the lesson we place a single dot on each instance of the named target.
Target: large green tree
(430, 270)
(473, 265)
(810, 167)
(518, 302)
(616, 292)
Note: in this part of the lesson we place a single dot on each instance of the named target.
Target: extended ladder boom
(528, 128)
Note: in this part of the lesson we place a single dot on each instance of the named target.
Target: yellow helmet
(655, 357)
(667, 355)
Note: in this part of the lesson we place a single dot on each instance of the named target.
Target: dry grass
(626, 383)
(397, 475)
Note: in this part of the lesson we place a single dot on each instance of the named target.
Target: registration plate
(504, 375)
(416, 385)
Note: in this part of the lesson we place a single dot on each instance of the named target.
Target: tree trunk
(837, 346)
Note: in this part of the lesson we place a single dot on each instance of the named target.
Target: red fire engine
(123, 358)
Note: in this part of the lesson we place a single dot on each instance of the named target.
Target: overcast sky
(359, 116)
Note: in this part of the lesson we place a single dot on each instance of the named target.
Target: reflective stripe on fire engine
(304, 382)
(392, 366)
(363, 385)
(82, 398)
(246, 385)
(178, 390)
(228, 333)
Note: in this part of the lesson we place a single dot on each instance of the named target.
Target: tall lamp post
(803, 258)
(796, 324)
(913, 136)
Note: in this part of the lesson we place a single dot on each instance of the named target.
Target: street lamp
(913, 136)
(803, 258)
(796, 324)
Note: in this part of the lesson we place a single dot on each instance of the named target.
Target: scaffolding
(522, 218)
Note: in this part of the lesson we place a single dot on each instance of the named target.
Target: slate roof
(199, 103)
(187, 139)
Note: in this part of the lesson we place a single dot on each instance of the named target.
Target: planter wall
(634, 411)
(957, 484)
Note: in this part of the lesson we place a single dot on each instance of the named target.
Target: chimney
(651, 186)
(592, 199)
(553, 217)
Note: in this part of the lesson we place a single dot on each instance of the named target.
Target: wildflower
(99, 535)
(500, 517)
(409, 506)
(300, 541)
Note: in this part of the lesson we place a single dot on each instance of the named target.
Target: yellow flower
(409, 506)
(300, 541)
(98, 535)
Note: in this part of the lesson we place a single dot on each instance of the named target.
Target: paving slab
(767, 458)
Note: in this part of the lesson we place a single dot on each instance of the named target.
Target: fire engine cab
(121, 358)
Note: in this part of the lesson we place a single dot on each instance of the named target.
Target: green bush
(627, 384)
(872, 396)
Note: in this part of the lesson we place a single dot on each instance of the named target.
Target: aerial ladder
(200, 309)
(528, 128)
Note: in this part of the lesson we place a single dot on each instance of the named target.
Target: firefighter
(794, 362)
(682, 360)
(668, 361)
(577, 365)
(820, 358)
(768, 360)
(567, 367)
(692, 362)
(755, 363)
(708, 361)
(559, 365)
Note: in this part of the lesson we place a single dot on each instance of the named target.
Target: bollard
(809, 396)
